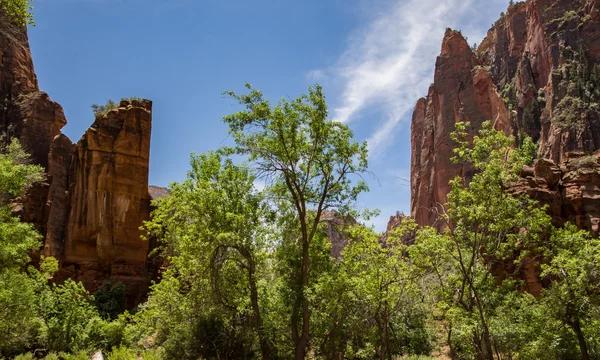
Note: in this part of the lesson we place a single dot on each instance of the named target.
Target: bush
(101, 110)
(122, 353)
(110, 299)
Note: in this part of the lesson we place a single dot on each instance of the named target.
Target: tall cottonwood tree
(307, 161)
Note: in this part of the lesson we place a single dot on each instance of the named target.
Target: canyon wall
(94, 196)
(536, 73)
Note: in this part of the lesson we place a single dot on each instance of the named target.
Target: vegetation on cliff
(20, 11)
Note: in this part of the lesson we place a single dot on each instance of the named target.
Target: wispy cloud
(389, 62)
(317, 76)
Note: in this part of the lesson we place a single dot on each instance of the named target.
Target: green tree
(20, 11)
(307, 161)
(486, 227)
(574, 295)
(371, 305)
(67, 310)
(110, 299)
(18, 323)
(215, 222)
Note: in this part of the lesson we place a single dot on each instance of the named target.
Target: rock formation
(571, 189)
(536, 73)
(95, 194)
(336, 223)
(407, 238)
(109, 199)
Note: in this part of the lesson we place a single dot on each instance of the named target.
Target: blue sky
(374, 59)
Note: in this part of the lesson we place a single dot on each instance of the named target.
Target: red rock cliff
(95, 194)
(109, 199)
(536, 73)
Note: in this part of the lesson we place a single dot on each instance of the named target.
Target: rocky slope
(95, 194)
(537, 74)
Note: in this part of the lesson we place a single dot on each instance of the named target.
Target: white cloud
(389, 62)
(317, 76)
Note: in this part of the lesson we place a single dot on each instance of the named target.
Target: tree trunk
(302, 342)
(487, 343)
(576, 326)
(264, 345)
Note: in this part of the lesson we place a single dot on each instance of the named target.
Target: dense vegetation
(249, 272)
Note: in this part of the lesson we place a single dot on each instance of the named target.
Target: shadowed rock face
(95, 194)
(536, 73)
(28, 115)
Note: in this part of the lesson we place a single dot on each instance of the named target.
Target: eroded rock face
(30, 116)
(462, 91)
(570, 189)
(109, 197)
(407, 238)
(536, 73)
(336, 223)
(95, 194)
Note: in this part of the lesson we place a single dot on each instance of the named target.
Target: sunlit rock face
(109, 198)
(95, 194)
(536, 73)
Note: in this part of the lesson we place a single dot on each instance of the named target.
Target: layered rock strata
(536, 73)
(109, 199)
(94, 196)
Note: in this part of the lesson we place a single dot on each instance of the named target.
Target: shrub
(122, 353)
(110, 299)
(101, 110)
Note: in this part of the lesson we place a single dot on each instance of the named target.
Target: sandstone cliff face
(407, 238)
(570, 189)
(462, 91)
(109, 199)
(536, 73)
(95, 194)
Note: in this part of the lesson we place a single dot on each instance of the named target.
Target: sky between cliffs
(374, 58)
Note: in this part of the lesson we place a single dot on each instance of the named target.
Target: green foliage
(101, 110)
(32, 313)
(110, 299)
(20, 11)
(307, 161)
(19, 326)
(369, 303)
(131, 98)
(509, 95)
(485, 224)
(67, 311)
(28, 356)
(16, 174)
(122, 353)
(215, 224)
(581, 81)
(583, 161)
(250, 274)
(490, 234)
